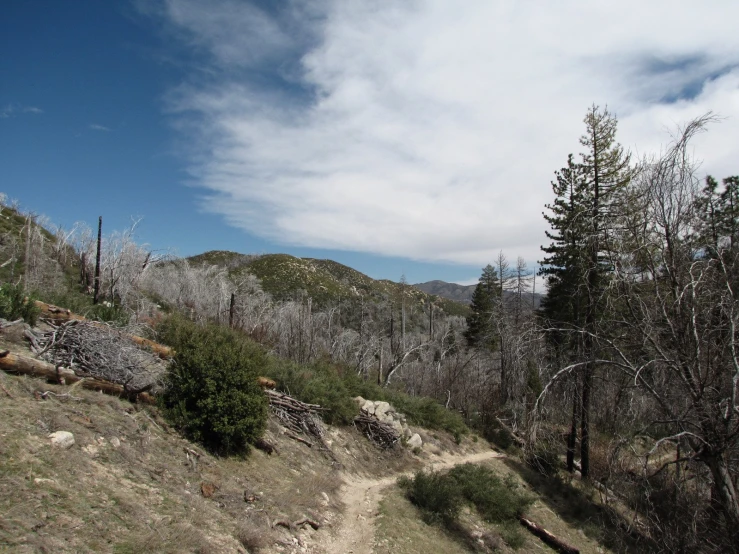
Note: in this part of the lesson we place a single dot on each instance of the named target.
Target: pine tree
(480, 331)
(584, 218)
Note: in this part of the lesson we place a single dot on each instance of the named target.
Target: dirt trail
(362, 498)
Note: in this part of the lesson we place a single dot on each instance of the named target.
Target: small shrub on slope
(14, 304)
(211, 392)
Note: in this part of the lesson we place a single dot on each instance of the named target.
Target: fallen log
(49, 311)
(558, 544)
(14, 363)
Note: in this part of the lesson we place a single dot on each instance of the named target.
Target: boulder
(359, 401)
(381, 408)
(62, 439)
(415, 441)
(369, 407)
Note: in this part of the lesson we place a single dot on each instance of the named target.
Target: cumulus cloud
(431, 129)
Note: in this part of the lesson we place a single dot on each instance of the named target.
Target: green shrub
(497, 500)
(435, 494)
(419, 410)
(317, 383)
(14, 304)
(511, 533)
(211, 392)
(440, 495)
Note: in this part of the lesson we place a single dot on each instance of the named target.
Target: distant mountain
(326, 281)
(452, 291)
(461, 293)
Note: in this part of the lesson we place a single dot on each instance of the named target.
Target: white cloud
(431, 131)
(98, 127)
(10, 110)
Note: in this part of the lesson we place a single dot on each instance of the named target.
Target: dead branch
(297, 438)
(307, 521)
(382, 434)
(13, 363)
(93, 349)
(55, 313)
(558, 544)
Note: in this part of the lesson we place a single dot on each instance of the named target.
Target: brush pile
(382, 434)
(297, 416)
(94, 349)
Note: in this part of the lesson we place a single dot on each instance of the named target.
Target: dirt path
(362, 498)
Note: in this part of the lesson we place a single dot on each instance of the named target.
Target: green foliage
(438, 496)
(419, 410)
(480, 324)
(14, 304)
(211, 392)
(81, 303)
(317, 383)
(497, 500)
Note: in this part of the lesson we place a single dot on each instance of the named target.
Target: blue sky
(416, 140)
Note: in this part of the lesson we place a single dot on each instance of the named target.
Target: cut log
(558, 544)
(14, 363)
(56, 313)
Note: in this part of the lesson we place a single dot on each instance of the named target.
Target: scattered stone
(90, 449)
(326, 500)
(115, 442)
(62, 439)
(415, 441)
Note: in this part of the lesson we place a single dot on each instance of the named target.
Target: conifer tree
(480, 331)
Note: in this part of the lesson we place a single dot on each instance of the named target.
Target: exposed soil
(362, 497)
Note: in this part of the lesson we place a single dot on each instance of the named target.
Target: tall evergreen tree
(607, 170)
(480, 331)
(584, 217)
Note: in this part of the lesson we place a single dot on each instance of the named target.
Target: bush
(211, 391)
(438, 496)
(317, 383)
(497, 500)
(419, 410)
(14, 304)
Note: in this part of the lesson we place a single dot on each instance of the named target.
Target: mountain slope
(325, 281)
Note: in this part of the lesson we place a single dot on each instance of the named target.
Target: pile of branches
(296, 415)
(382, 434)
(94, 349)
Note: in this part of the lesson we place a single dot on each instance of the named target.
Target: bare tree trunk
(231, 310)
(96, 293)
(572, 438)
(27, 272)
(727, 496)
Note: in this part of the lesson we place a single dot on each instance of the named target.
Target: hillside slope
(326, 281)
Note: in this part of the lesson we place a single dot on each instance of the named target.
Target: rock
(90, 449)
(43, 481)
(207, 489)
(369, 407)
(415, 441)
(407, 433)
(381, 408)
(398, 427)
(326, 500)
(62, 439)
(359, 401)
(115, 442)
